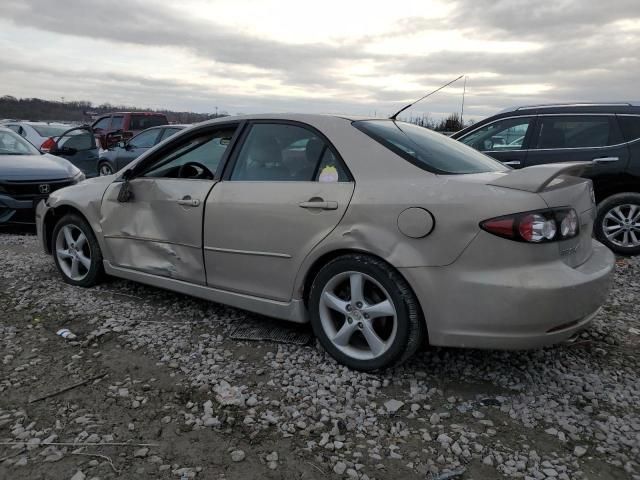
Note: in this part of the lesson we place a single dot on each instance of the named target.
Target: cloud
(514, 52)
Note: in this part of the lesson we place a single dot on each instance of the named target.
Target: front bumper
(17, 212)
(513, 306)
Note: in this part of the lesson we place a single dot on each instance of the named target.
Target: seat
(266, 161)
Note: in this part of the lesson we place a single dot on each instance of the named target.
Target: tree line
(82, 111)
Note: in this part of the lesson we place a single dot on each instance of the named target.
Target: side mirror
(488, 145)
(125, 194)
(122, 144)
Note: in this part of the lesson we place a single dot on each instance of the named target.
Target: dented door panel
(160, 230)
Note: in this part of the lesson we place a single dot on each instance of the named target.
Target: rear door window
(428, 150)
(630, 126)
(577, 131)
(502, 135)
(286, 153)
(145, 139)
(142, 122)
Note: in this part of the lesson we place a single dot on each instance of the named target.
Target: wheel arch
(325, 258)
(604, 188)
(52, 217)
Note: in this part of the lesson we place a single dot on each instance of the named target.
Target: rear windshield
(142, 122)
(428, 150)
(50, 130)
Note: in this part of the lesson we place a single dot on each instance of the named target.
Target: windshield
(50, 130)
(142, 122)
(13, 144)
(428, 150)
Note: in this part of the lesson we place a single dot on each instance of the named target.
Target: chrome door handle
(605, 160)
(512, 163)
(187, 201)
(321, 205)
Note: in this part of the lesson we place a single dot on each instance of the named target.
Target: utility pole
(464, 90)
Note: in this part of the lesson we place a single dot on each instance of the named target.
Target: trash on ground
(66, 333)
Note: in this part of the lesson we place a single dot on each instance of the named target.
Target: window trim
(233, 158)
(149, 158)
(556, 115)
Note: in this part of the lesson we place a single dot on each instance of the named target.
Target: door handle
(320, 205)
(605, 160)
(187, 201)
(512, 163)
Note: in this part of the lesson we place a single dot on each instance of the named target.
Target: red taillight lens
(540, 226)
(47, 145)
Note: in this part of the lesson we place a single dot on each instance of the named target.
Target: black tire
(95, 272)
(607, 206)
(411, 328)
(106, 166)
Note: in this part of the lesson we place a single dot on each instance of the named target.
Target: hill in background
(80, 111)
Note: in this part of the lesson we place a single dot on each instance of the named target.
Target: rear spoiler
(536, 178)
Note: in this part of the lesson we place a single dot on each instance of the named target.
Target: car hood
(35, 167)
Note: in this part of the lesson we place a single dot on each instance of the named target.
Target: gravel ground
(177, 398)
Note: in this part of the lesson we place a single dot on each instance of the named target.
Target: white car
(38, 133)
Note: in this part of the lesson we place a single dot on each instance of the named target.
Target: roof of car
(587, 107)
(30, 122)
(300, 117)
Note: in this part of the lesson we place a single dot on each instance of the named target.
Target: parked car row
(604, 135)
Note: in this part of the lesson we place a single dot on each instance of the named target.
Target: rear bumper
(13, 211)
(512, 307)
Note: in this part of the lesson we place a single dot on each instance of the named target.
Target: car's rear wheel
(105, 169)
(76, 252)
(364, 313)
(618, 223)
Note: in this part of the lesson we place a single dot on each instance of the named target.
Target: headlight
(78, 177)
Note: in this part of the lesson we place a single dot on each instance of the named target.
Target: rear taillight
(47, 145)
(539, 226)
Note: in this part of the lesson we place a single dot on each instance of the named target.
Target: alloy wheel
(621, 225)
(358, 315)
(73, 252)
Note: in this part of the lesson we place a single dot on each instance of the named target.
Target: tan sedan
(383, 234)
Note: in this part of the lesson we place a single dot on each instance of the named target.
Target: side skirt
(293, 311)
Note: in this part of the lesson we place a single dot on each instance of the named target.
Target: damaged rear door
(158, 228)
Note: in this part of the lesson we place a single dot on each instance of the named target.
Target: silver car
(382, 234)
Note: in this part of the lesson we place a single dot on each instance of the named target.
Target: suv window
(507, 134)
(286, 153)
(103, 123)
(145, 139)
(206, 149)
(142, 122)
(116, 122)
(578, 131)
(428, 150)
(630, 126)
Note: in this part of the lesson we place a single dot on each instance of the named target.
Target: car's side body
(258, 244)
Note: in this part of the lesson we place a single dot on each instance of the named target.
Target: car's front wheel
(364, 313)
(618, 223)
(105, 169)
(76, 252)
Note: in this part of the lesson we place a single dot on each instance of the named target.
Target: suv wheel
(618, 223)
(76, 252)
(364, 313)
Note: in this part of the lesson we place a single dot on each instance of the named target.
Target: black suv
(608, 135)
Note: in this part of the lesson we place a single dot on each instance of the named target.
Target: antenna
(393, 117)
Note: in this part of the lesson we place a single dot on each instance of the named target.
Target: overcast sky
(334, 56)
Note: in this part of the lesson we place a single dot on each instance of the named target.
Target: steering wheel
(194, 170)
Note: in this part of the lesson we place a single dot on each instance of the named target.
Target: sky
(354, 57)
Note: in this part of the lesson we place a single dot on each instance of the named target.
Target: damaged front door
(158, 230)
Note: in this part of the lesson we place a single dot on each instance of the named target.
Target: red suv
(111, 128)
